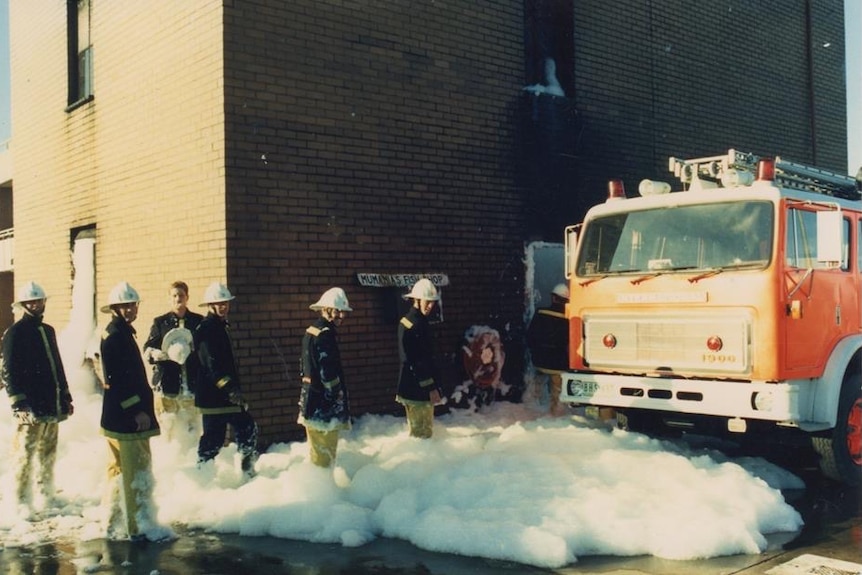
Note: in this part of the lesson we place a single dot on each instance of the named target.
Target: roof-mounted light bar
(739, 169)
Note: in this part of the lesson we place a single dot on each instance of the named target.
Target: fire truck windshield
(683, 237)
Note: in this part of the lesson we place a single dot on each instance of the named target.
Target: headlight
(762, 400)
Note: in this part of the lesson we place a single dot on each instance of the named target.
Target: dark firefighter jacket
(323, 401)
(33, 371)
(127, 391)
(218, 379)
(167, 375)
(548, 339)
(416, 352)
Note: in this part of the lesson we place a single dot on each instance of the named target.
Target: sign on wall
(396, 285)
(399, 280)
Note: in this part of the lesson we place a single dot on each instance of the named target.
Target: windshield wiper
(661, 272)
(603, 276)
(591, 280)
(705, 274)
(715, 271)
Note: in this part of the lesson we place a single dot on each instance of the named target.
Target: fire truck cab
(732, 306)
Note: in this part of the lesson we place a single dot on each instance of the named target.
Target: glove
(24, 416)
(434, 396)
(142, 421)
(236, 398)
(154, 355)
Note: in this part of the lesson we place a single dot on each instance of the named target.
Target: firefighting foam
(508, 483)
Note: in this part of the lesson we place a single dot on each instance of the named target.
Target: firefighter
(324, 408)
(418, 384)
(218, 394)
(548, 340)
(39, 393)
(128, 417)
(169, 350)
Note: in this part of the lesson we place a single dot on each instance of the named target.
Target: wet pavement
(833, 531)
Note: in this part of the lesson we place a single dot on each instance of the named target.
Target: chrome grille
(661, 342)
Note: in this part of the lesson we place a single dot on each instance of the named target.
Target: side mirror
(571, 252)
(830, 238)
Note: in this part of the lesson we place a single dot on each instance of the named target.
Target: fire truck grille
(693, 344)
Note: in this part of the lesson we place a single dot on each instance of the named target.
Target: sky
(508, 482)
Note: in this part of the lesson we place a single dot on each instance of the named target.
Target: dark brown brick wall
(654, 80)
(369, 136)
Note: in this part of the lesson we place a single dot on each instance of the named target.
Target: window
(80, 56)
(717, 236)
(549, 43)
(801, 240)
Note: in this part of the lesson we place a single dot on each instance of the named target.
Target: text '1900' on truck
(731, 307)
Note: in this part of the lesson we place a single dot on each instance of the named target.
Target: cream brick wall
(143, 162)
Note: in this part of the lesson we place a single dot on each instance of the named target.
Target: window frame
(79, 61)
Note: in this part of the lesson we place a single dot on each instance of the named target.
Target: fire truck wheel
(841, 452)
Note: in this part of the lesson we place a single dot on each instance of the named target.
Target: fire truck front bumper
(775, 402)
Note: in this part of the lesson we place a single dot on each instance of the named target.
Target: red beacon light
(766, 171)
(616, 190)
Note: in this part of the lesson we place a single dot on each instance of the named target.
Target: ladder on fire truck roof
(740, 168)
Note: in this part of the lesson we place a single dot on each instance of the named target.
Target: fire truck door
(821, 303)
(815, 315)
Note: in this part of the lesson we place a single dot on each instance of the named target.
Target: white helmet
(334, 298)
(30, 291)
(424, 290)
(561, 290)
(120, 294)
(216, 293)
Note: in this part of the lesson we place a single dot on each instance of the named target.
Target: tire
(841, 451)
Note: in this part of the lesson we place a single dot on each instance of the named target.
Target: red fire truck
(732, 306)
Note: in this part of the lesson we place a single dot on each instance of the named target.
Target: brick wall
(142, 162)
(373, 137)
(654, 80)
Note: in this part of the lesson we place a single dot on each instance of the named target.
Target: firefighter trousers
(555, 388)
(178, 416)
(130, 464)
(554, 393)
(420, 418)
(35, 441)
(322, 446)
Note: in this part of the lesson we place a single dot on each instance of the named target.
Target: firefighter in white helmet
(324, 407)
(218, 393)
(548, 340)
(128, 419)
(418, 385)
(35, 381)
